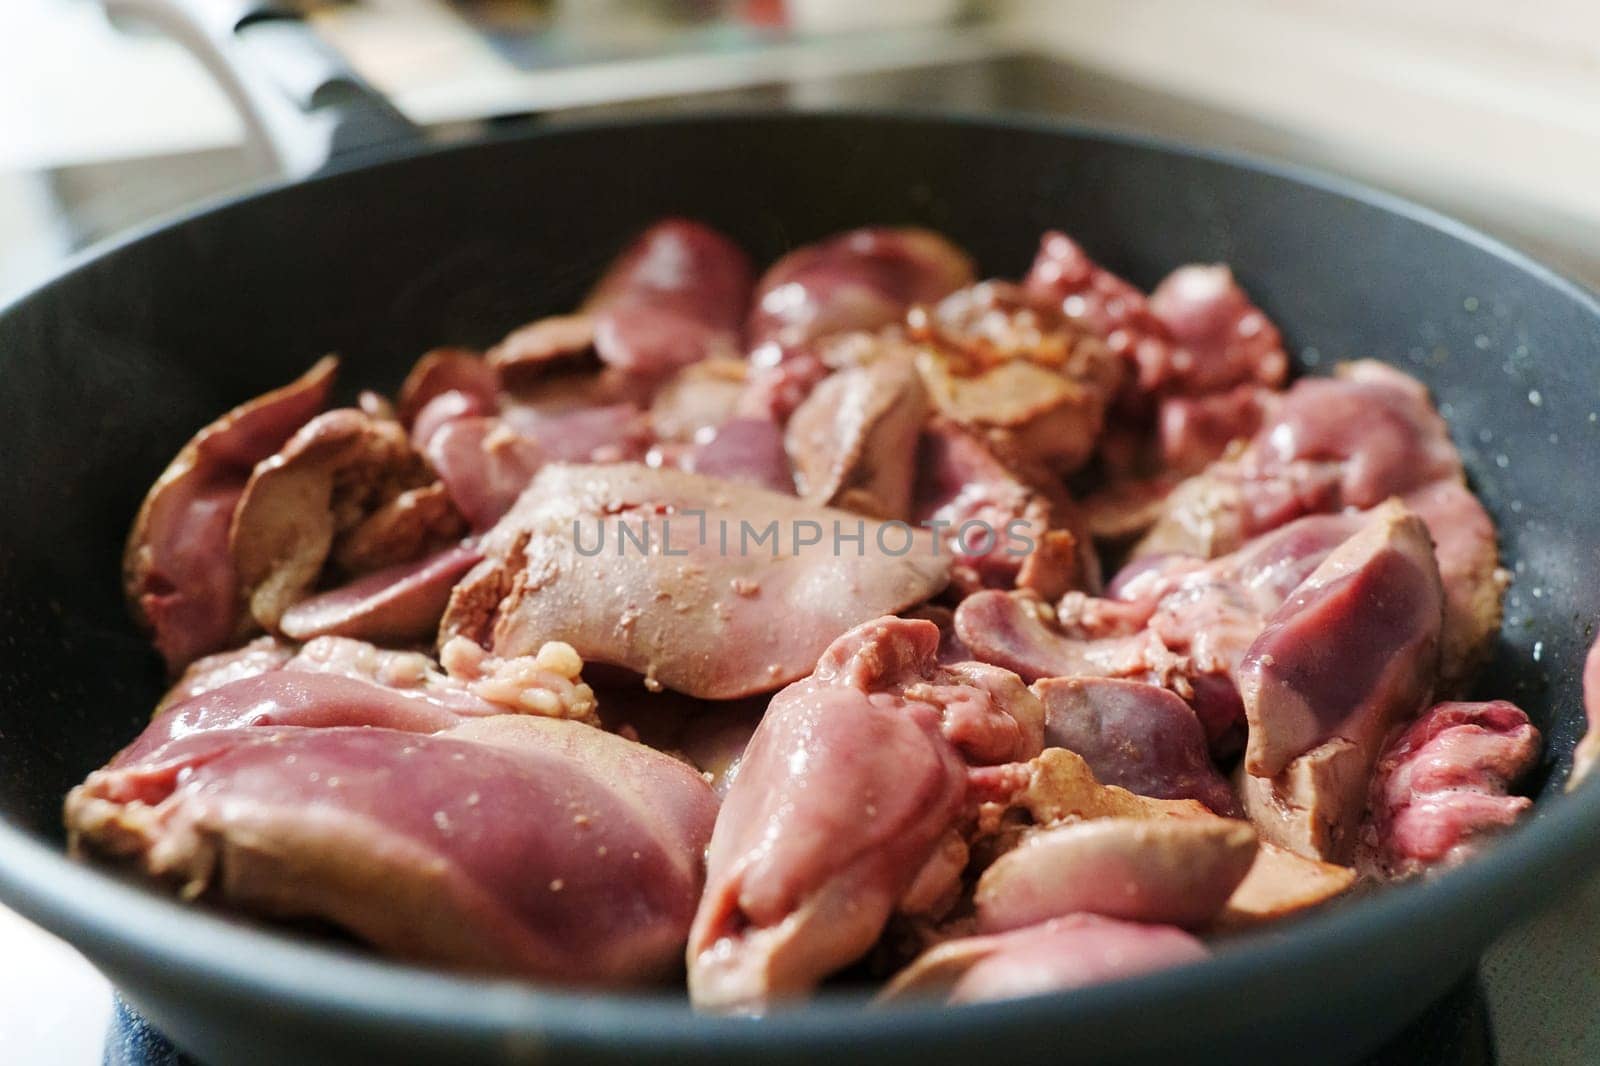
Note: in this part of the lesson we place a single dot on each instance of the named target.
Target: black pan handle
(300, 99)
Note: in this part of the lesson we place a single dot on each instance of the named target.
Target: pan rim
(131, 928)
(1295, 173)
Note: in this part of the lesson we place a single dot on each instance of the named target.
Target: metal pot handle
(302, 102)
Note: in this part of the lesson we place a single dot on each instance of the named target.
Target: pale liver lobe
(707, 620)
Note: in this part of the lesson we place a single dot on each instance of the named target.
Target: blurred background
(1487, 110)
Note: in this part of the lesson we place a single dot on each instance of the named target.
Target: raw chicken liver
(862, 279)
(675, 296)
(798, 547)
(1061, 954)
(1441, 787)
(1173, 620)
(177, 571)
(705, 610)
(845, 792)
(1351, 652)
(1134, 735)
(513, 845)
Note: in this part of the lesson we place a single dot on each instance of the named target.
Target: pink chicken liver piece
(675, 296)
(1196, 333)
(301, 506)
(1220, 338)
(853, 443)
(447, 371)
(177, 570)
(329, 681)
(854, 777)
(1168, 871)
(744, 449)
(1039, 542)
(1193, 431)
(1441, 784)
(1073, 953)
(1468, 552)
(708, 617)
(414, 523)
(293, 698)
(604, 433)
(1588, 750)
(1102, 303)
(1136, 736)
(779, 382)
(1178, 622)
(862, 279)
(1355, 645)
(541, 848)
(399, 604)
(259, 656)
(1349, 441)
(1352, 652)
(485, 461)
(410, 672)
(697, 399)
(1054, 956)
(1346, 443)
(1030, 383)
(484, 466)
(444, 409)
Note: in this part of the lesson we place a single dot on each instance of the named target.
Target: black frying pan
(108, 369)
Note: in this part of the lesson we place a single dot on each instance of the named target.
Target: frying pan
(108, 368)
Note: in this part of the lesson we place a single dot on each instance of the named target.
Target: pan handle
(300, 99)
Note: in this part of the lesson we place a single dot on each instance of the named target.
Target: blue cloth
(132, 1041)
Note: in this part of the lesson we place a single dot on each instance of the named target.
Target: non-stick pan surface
(105, 372)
